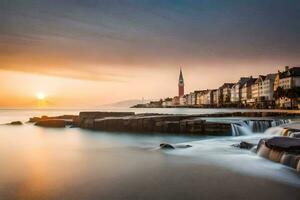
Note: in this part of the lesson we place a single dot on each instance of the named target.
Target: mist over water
(71, 163)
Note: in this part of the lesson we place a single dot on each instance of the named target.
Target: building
(200, 97)
(167, 102)
(287, 80)
(189, 100)
(183, 100)
(214, 97)
(290, 78)
(180, 85)
(205, 98)
(266, 91)
(197, 95)
(175, 101)
(224, 94)
(236, 92)
(246, 92)
(255, 88)
(194, 98)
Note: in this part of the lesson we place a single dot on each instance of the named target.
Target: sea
(72, 163)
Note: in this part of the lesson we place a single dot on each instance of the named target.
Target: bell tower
(180, 84)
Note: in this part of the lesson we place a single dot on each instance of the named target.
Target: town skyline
(268, 91)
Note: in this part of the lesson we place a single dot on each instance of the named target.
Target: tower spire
(180, 84)
(181, 76)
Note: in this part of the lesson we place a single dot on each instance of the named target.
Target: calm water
(70, 163)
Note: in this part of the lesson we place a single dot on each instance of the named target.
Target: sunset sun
(40, 96)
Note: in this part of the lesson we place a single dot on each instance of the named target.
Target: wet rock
(54, 123)
(286, 144)
(275, 155)
(298, 166)
(166, 146)
(171, 126)
(183, 146)
(34, 119)
(244, 145)
(290, 160)
(295, 135)
(263, 151)
(15, 123)
(216, 128)
(69, 119)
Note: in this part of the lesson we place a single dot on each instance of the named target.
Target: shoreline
(120, 169)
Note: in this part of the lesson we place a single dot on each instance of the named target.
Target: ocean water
(71, 163)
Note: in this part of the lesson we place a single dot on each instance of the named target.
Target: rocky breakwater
(129, 122)
(54, 122)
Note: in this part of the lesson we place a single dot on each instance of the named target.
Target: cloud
(109, 39)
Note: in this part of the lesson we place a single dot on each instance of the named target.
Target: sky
(93, 52)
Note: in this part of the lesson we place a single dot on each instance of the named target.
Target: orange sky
(90, 53)
(18, 89)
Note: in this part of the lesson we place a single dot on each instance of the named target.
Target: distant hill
(126, 103)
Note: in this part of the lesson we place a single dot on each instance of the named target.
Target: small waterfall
(247, 127)
(240, 128)
(274, 131)
(259, 126)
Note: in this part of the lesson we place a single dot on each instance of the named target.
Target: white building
(236, 90)
(266, 87)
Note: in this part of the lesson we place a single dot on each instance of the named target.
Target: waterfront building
(194, 97)
(246, 94)
(266, 91)
(183, 100)
(189, 99)
(206, 98)
(167, 102)
(288, 79)
(224, 94)
(255, 90)
(215, 97)
(236, 91)
(180, 85)
(175, 101)
(197, 95)
(200, 99)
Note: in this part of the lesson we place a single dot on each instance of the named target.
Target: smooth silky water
(71, 163)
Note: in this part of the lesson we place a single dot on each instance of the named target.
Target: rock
(290, 160)
(166, 146)
(216, 128)
(34, 119)
(171, 126)
(15, 123)
(298, 166)
(183, 146)
(284, 132)
(286, 144)
(54, 123)
(275, 155)
(295, 135)
(69, 119)
(263, 151)
(244, 145)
